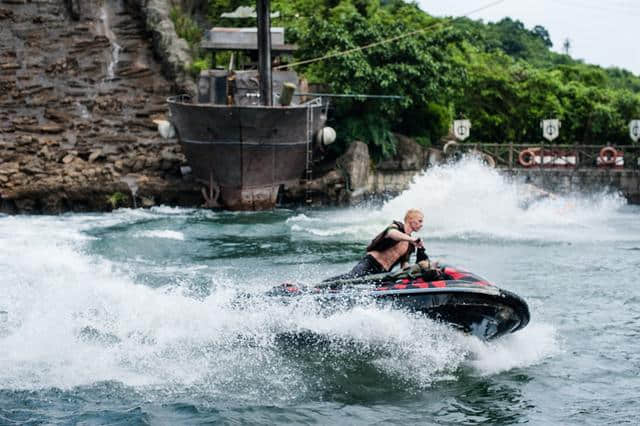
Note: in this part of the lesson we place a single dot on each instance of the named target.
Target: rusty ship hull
(247, 151)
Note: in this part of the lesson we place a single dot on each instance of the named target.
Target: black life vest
(382, 242)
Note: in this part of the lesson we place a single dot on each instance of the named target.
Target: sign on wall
(550, 129)
(634, 130)
(461, 129)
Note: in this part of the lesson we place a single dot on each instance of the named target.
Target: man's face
(415, 221)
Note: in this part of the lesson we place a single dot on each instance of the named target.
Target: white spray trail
(470, 200)
(74, 318)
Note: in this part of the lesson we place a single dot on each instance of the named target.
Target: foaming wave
(323, 232)
(59, 301)
(167, 234)
(302, 218)
(526, 347)
(470, 199)
(75, 318)
(172, 211)
(25, 230)
(408, 346)
(430, 351)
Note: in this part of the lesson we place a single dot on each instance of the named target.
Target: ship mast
(263, 10)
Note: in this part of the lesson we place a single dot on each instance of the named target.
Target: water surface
(158, 316)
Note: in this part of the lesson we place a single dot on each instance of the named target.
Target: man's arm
(394, 234)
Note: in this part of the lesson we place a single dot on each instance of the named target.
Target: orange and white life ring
(526, 158)
(608, 155)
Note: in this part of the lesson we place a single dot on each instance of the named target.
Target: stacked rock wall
(79, 90)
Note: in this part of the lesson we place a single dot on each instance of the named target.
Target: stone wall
(79, 92)
(172, 51)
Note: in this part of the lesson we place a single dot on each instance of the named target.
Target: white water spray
(75, 318)
(470, 200)
(72, 317)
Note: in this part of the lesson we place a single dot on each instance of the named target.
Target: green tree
(415, 68)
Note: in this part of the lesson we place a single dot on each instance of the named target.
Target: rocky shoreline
(81, 84)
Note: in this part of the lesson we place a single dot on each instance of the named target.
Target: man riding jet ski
(459, 298)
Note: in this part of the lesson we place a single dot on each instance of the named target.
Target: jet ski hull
(485, 313)
(458, 298)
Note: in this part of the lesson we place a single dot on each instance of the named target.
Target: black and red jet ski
(453, 296)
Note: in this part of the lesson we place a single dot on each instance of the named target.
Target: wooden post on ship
(264, 51)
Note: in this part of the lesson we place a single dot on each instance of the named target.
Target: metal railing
(181, 99)
(518, 155)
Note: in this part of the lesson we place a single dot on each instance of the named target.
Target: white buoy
(165, 128)
(325, 136)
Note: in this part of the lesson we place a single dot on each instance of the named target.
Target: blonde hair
(411, 213)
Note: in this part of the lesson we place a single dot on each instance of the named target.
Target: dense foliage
(417, 68)
(502, 76)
